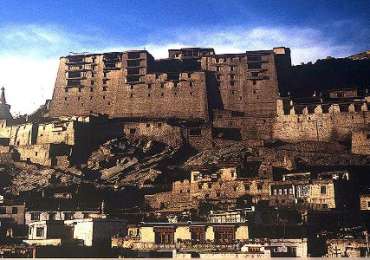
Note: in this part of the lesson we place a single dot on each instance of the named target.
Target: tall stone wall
(243, 82)
(335, 124)
(98, 89)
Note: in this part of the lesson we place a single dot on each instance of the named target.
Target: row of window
(104, 88)
(14, 210)
(53, 215)
(162, 94)
(247, 187)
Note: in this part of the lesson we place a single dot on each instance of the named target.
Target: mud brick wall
(361, 142)
(101, 90)
(158, 130)
(319, 125)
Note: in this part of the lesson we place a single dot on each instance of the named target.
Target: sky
(34, 34)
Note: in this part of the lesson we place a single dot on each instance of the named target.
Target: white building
(87, 232)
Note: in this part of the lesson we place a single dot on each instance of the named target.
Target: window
(104, 88)
(40, 232)
(65, 99)
(131, 95)
(92, 82)
(149, 86)
(254, 65)
(2, 210)
(68, 215)
(148, 94)
(254, 82)
(35, 216)
(52, 216)
(323, 189)
(259, 186)
(132, 130)
(74, 74)
(254, 74)
(368, 204)
(66, 90)
(159, 125)
(91, 89)
(195, 132)
(254, 57)
(147, 125)
(79, 89)
(162, 94)
(73, 82)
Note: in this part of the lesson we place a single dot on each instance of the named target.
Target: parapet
(288, 107)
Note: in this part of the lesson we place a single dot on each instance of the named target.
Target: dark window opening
(254, 65)
(133, 63)
(254, 58)
(39, 231)
(133, 71)
(323, 190)
(14, 210)
(35, 216)
(195, 132)
(74, 74)
(132, 130)
(73, 82)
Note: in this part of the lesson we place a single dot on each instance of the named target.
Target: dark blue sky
(34, 34)
(140, 22)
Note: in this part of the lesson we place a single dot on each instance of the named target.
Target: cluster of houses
(243, 231)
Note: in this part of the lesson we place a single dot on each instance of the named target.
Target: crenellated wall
(326, 122)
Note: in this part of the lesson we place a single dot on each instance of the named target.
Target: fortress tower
(190, 84)
(4, 107)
